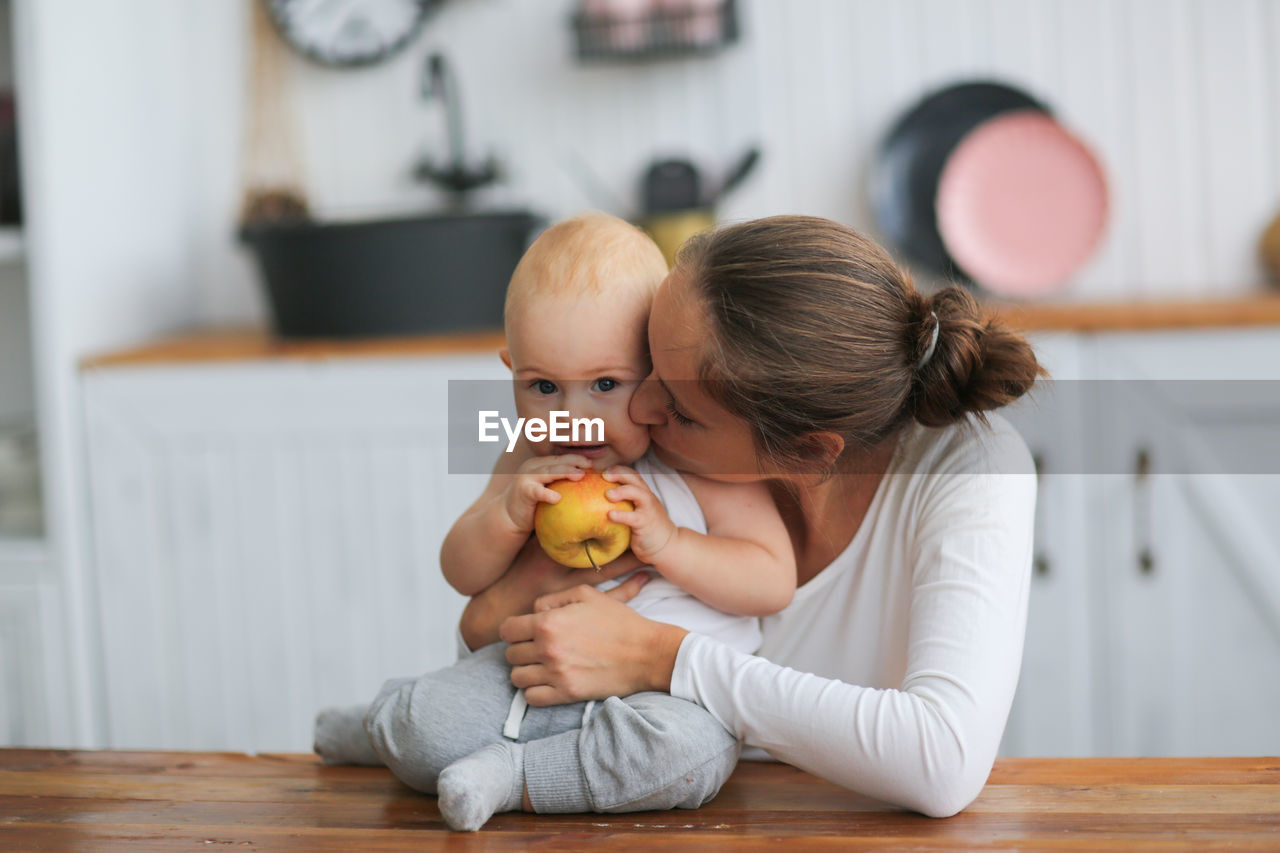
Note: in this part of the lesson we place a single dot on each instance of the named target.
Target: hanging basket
(605, 33)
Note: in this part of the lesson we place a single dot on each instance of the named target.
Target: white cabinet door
(266, 541)
(1190, 557)
(1052, 710)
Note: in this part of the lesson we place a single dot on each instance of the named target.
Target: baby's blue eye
(604, 384)
(545, 386)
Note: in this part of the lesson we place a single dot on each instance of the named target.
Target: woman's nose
(646, 404)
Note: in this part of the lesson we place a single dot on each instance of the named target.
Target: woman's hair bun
(977, 365)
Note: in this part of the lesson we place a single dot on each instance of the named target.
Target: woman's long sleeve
(929, 744)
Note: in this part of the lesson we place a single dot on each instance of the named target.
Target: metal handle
(1039, 562)
(1142, 511)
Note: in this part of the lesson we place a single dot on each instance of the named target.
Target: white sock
(340, 737)
(475, 788)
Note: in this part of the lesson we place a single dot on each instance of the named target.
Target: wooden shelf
(257, 345)
(222, 345)
(1261, 309)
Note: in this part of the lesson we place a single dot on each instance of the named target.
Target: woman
(794, 350)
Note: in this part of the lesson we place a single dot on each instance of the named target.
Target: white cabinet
(1154, 624)
(1193, 567)
(266, 539)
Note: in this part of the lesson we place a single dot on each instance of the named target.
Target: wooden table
(143, 801)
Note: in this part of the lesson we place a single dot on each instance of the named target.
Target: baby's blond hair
(590, 254)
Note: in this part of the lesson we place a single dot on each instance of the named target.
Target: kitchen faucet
(438, 82)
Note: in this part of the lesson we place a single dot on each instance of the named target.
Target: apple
(576, 530)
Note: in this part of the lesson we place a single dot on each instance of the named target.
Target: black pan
(904, 181)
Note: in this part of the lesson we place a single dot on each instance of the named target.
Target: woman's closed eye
(677, 415)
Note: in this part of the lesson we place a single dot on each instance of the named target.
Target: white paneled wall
(1181, 99)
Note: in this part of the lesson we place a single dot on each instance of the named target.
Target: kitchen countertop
(214, 345)
(143, 801)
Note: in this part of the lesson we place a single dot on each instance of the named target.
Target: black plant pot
(390, 277)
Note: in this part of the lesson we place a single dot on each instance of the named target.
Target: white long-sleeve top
(892, 671)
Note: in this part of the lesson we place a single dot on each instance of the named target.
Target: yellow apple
(576, 530)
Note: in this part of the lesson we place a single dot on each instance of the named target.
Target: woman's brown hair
(816, 329)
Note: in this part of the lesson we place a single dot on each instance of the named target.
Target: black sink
(439, 273)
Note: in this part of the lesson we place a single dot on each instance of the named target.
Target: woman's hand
(586, 644)
(531, 575)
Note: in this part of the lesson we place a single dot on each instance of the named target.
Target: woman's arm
(531, 575)
(930, 743)
(586, 644)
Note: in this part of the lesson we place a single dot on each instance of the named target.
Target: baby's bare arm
(484, 541)
(744, 564)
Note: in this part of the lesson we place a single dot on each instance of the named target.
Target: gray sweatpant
(635, 753)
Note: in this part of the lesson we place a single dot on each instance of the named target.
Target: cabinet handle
(1142, 511)
(1039, 562)
(1041, 565)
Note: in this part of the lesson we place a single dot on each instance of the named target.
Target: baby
(576, 323)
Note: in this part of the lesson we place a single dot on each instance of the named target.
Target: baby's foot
(473, 789)
(340, 737)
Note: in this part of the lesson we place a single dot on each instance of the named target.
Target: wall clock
(349, 33)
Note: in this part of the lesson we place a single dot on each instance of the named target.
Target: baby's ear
(505, 355)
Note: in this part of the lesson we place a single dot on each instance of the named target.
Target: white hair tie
(933, 344)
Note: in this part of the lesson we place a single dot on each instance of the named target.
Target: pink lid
(1021, 204)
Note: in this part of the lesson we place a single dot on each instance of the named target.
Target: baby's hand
(528, 485)
(651, 527)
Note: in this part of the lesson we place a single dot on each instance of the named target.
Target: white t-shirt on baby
(663, 601)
